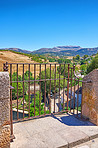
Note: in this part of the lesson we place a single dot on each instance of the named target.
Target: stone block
(4, 85)
(5, 137)
(4, 110)
(90, 97)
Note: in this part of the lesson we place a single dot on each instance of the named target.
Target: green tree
(20, 84)
(52, 59)
(85, 56)
(82, 62)
(26, 76)
(64, 61)
(14, 91)
(77, 57)
(74, 58)
(37, 103)
(83, 69)
(14, 84)
(66, 70)
(93, 65)
(52, 81)
(60, 61)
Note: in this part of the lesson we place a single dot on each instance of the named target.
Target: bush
(93, 65)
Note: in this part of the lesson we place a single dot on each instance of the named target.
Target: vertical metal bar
(40, 93)
(50, 92)
(23, 91)
(34, 86)
(64, 88)
(74, 96)
(45, 93)
(77, 96)
(71, 91)
(74, 89)
(81, 99)
(68, 88)
(54, 87)
(11, 112)
(17, 94)
(29, 89)
(59, 87)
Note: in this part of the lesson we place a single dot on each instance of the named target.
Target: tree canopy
(52, 81)
(93, 65)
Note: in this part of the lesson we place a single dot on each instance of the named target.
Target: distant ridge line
(59, 50)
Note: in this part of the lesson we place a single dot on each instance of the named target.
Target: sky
(35, 24)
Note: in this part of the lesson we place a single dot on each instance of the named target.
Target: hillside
(66, 51)
(58, 51)
(88, 51)
(11, 57)
(17, 50)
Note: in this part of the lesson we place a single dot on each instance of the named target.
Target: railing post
(68, 88)
(5, 66)
(4, 110)
(74, 89)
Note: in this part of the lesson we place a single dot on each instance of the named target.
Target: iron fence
(42, 89)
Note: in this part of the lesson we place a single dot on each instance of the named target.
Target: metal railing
(57, 79)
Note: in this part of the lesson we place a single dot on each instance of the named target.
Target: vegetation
(37, 103)
(52, 59)
(83, 69)
(83, 64)
(93, 65)
(36, 57)
(76, 58)
(85, 56)
(52, 81)
(62, 60)
(20, 84)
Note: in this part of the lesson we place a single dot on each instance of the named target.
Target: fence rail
(42, 89)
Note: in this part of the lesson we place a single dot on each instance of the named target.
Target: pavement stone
(90, 144)
(54, 131)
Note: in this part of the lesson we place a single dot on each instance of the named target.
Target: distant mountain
(59, 50)
(17, 50)
(56, 49)
(67, 51)
(88, 51)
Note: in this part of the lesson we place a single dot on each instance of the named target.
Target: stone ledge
(4, 111)
(4, 85)
(5, 137)
(64, 131)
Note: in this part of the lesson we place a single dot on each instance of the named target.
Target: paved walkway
(90, 144)
(52, 132)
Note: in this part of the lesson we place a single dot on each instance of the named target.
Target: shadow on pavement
(71, 120)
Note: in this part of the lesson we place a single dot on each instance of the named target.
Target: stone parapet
(90, 97)
(4, 110)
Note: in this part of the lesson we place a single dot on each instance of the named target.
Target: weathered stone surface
(4, 110)
(58, 131)
(4, 85)
(5, 137)
(90, 144)
(90, 97)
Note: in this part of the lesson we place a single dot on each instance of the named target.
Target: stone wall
(90, 97)
(4, 110)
